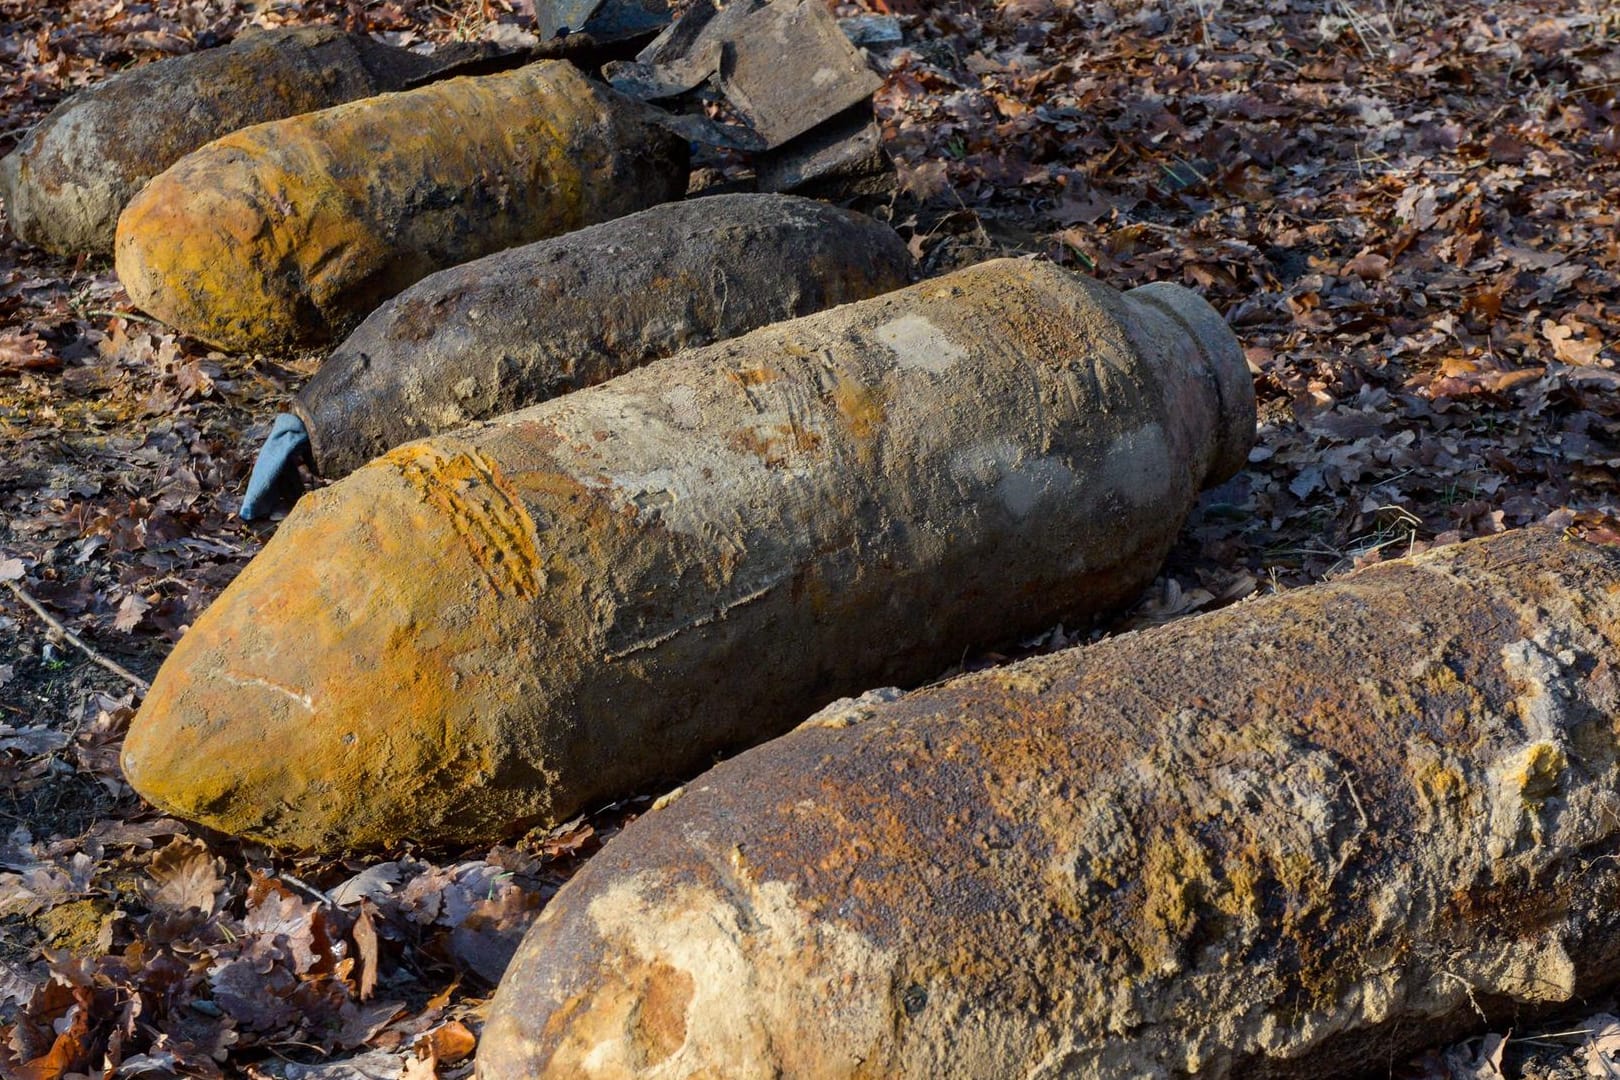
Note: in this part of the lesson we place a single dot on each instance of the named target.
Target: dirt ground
(1407, 211)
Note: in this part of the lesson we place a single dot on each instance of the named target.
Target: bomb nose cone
(275, 474)
(341, 684)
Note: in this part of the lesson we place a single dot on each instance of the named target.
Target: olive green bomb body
(524, 325)
(1302, 836)
(504, 624)
(290, 233)
(66, 183)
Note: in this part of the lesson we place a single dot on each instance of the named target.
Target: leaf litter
(1407, 212)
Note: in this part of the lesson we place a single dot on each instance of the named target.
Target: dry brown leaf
(449, 1043)
(185, 877)
(130, 611)
(23, 351)
(421, 1068)
(1580, 351)
(365, 942)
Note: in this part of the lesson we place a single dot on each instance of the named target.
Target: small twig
(103, 313)
(307, 888)
(73, 639)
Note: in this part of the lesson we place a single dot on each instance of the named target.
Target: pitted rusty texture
(524, 617)
(291, 232)
(1303, 836)
(65, 185)
(522, 326)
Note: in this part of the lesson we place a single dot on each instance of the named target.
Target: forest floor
(1408, 211)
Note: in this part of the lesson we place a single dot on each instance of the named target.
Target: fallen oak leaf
(1581, 351)
(1368, 266)
(185, 877)
(365, 942)
(130, 612)
(421, 1068)
(21, 351)
(449, 1043)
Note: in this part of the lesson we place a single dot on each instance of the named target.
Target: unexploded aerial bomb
(1304, 836)
(66, 183)
(503, 624)
(524, 325)
(289, 233)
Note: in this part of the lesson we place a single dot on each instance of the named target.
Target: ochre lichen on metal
(603, 590)
(292, 231)
(1208, 849)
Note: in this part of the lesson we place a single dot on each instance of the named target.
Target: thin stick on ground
(77, 642)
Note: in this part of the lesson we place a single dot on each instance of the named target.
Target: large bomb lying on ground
(508, 623)
(291, 232)
(522, 326)
(1301, 837)
(66, 183)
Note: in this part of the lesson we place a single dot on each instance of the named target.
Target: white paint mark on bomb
(1020, 480)
(1136, 466)
(919, 345)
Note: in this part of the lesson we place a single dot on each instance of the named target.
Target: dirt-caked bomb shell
(290, 233)
(523, 325)
(66, 183)
(501, 625)
(1300, 837)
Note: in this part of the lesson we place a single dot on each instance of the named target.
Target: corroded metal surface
(66, 183)
(1300, 837)
(522, 326)
(291, 232)
(503, 624)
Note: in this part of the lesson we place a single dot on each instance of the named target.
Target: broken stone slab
(684, 56)
(1304, 836)
(289, 233)
(873, 31)
(604, 21)
(785, 67)
(501, 625)
(65, 185)
(791, 67)
(530, 323)
(842, 159)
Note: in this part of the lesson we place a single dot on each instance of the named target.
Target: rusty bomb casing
(500, 625)
(66, 183)
(1304, 836)
(527, 324)
(289, 233)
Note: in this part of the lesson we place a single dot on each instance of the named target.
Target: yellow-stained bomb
(1300, 837)
(501, 625)
(289, 233)
(66, 182)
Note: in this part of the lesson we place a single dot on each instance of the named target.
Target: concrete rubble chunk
(65, 185)
(841, 159)
(786, 67)
(498, 626)
(289, 233)
(604, 21)
(1304, 836)
(790, 67)
(527, 324)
